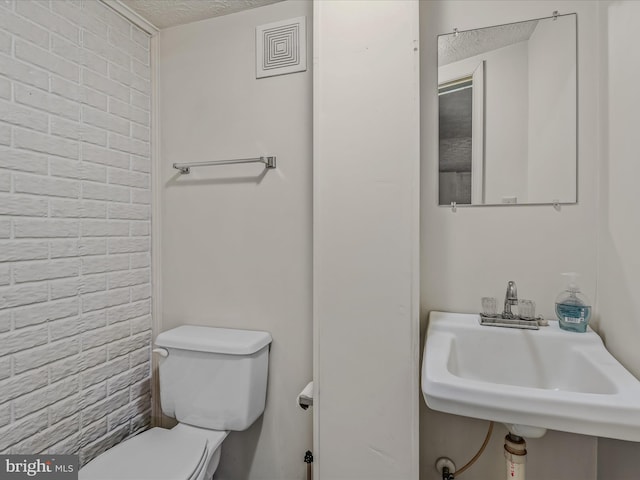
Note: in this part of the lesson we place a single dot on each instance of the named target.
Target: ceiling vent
(281, 48)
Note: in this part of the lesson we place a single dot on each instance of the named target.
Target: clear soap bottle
(573, 307)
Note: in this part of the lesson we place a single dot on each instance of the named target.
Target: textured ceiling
(169, 13)
(452, 48)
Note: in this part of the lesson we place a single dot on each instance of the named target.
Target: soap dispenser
(572, 306)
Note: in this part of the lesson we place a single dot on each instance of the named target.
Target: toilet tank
(213, 378)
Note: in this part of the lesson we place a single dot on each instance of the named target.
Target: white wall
(366, 173)
(74, 228)
(552, 111)
(463, 261)
(236, 239)
(619, 228)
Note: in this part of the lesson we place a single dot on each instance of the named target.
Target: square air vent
(281, 47)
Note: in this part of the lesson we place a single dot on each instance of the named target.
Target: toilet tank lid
(215, 340)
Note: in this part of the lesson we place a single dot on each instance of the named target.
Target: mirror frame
(556, 204)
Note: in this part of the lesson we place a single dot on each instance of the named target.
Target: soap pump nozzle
(572, 281)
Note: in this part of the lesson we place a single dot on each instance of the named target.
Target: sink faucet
(510, 298)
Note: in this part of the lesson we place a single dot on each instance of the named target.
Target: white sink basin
(531, 380)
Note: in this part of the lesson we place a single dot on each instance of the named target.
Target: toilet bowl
(182, 453)
(212, 380)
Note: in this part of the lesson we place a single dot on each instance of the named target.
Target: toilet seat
(182, 453)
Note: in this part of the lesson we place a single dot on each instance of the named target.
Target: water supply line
(447, 468)
(477, 455)
(308, 459)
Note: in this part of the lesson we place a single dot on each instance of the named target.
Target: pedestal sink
(531, 380)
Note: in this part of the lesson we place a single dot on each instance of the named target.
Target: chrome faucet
(510, 298)
(525, 318)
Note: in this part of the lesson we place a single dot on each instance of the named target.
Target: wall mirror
(508, 114)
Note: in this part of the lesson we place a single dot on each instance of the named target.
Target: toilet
(212, 381)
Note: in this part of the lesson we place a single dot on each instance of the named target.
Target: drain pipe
(515, 454)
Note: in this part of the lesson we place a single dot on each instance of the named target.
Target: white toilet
(212, 380)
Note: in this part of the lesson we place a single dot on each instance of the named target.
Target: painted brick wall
(74, 227)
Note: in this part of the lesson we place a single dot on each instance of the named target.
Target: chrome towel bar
(269, 162)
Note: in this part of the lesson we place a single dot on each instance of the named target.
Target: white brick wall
(75, 307)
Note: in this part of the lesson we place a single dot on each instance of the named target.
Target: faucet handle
(489, 307)
(526, 309)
